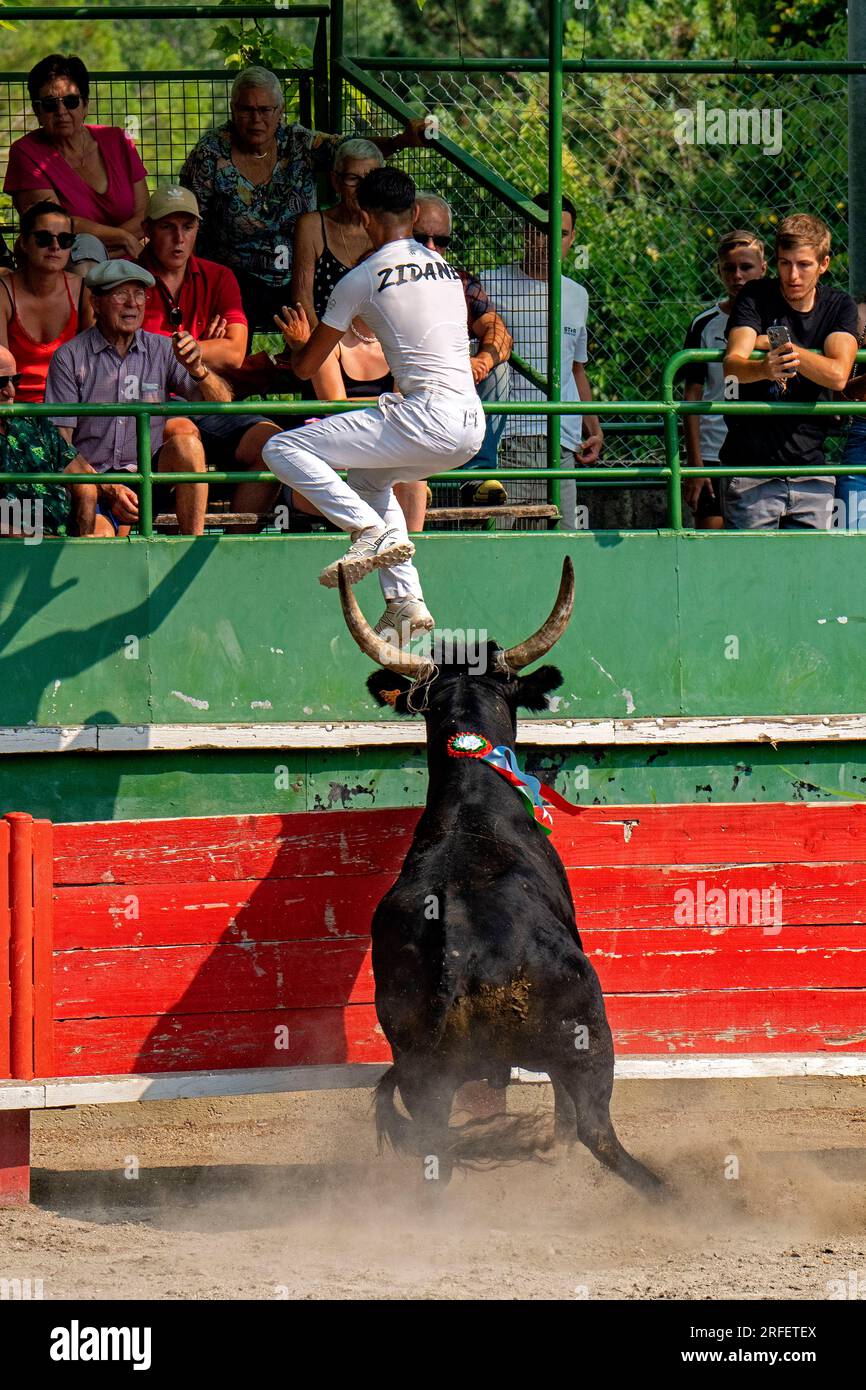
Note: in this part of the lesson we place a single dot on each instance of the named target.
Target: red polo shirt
(207, 289)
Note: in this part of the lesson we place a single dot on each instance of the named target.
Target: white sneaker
(402, 618)
(371, 548)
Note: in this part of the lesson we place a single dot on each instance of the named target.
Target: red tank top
(31, 358)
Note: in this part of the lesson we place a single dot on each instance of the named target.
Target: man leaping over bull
(413, 301)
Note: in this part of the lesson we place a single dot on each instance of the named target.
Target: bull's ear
(388, 689)
(533, 690)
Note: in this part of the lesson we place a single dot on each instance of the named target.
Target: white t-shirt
(522, 302)
(414, 303)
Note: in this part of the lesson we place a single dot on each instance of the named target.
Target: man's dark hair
(543, 201)
(33, 214)
(58, 65)
(386, 191)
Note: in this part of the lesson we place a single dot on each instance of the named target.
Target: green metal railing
(672, 473)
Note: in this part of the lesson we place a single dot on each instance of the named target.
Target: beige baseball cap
(172, 198)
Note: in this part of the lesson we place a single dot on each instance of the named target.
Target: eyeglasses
(440, 242)
(123, 292)
(45, 238)
(52, 104)
(250, 111)
(7, 380)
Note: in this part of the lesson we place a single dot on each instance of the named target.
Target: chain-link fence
(659, 166)
(165, 116)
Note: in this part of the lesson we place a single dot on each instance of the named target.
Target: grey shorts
(787, 504)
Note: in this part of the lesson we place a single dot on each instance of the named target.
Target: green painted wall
(238, 629)
(79, 787)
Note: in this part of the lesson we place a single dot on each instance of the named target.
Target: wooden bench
(239, 523)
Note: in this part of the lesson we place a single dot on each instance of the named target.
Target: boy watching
(740, 258)
(822, 323)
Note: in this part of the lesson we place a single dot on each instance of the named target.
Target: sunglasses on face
(52, 104)
(5, 380)
(440, 242)
(45, 239)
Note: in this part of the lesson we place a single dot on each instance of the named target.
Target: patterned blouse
(29, 445)
(251, 227)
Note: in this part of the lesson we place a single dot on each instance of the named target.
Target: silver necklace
(362, 337)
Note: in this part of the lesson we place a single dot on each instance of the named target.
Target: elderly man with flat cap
(117, 361)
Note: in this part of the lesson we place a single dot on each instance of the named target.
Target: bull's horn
(374, 646)
(540, 643)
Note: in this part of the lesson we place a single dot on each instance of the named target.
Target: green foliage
(247, 43)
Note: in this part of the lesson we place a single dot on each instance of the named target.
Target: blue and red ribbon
(540, 799)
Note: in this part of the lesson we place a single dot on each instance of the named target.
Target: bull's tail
(487, 1143)
(478, 1143)
(391, 1127)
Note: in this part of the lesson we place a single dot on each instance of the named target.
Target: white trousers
(400, 440)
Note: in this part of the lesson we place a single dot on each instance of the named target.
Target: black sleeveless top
(328, 271)
(375, 386)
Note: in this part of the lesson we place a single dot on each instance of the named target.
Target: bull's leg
(595, 1129)
(564, 1133)
(428, 1094)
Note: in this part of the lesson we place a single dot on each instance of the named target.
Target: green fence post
(672, 443)
(335, 106)
(554, 258)
(142, 448)
(321, 103)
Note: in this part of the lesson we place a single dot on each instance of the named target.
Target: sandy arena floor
(284, 1196)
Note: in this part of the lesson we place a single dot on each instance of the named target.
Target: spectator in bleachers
(519, 292)
(93, 171)
(116, 361)
(329, 244)
(253, 178)
(203, 298)
(851, 487)
(822, 323)
(41, 304)
(740, 258)
(28, 445)
(489, 364)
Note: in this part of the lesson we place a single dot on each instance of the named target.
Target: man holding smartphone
(815, 328)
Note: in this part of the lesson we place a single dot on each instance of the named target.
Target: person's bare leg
(183, 452)
(413, 502)
(82, 506)
(255, 497)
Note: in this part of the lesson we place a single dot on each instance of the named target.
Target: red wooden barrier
(191, 944)
(26, 983)
(243, 942)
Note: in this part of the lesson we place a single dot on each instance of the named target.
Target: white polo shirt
(522, 302)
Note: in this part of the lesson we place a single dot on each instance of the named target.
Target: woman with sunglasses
(41, 304)
(93, 171)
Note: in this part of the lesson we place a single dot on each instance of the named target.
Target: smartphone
(779, 334)
(174, 318)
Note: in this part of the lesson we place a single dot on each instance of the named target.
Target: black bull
(476, 955)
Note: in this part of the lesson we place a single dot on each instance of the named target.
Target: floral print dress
(250, 227)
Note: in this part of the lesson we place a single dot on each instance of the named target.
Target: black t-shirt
(785, 439)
